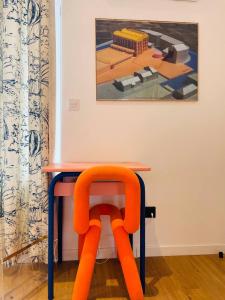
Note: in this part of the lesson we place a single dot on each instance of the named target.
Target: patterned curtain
(24, 126)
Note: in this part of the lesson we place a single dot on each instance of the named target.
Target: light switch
(74, 105)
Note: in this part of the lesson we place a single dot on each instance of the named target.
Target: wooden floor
(168, 278)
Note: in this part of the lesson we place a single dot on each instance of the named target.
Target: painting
(146, 60)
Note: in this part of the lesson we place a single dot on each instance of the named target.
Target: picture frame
(146, 60)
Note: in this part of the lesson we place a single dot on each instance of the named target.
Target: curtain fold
(24, 124)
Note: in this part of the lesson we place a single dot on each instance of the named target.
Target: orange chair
(87, 224)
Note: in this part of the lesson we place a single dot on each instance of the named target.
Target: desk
(60, 189)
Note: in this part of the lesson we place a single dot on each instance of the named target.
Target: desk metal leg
(51, 242)
(51, 199)
(60, 228)
(142, 234)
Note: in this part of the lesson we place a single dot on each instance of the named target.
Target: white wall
(184, 143)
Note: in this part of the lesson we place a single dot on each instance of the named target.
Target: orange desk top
(82, 166)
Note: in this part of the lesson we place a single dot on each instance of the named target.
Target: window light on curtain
(24, 125)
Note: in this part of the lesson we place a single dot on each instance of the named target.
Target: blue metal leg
(51, 199)
(51, 242)
(60, 228)
(142, 234)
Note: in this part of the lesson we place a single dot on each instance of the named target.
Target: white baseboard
(175, 250)
(170, 250)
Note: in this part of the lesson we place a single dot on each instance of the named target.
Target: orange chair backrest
(107, 173)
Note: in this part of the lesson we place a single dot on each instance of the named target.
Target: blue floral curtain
(24, 69)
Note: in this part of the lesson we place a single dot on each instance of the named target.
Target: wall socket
(150, 212)
(74, 104)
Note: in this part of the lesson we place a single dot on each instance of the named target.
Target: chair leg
(81, 239)
(87, 262)
(131, 238)
(128, 264)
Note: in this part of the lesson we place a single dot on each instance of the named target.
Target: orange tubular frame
(87, 224)
(103, 173)
(86, 265)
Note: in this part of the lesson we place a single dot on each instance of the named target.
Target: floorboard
(167, 278)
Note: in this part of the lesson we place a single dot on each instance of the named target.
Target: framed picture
(146, 60)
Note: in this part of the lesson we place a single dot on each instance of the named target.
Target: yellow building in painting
(132, 39)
